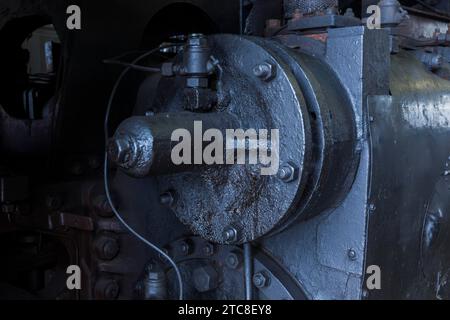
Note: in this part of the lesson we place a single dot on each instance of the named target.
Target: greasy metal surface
(410, 139)
(238, 195)
(281, 284)
(335, 153)
(317, 136)
(317, 251)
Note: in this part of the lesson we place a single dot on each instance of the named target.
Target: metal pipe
(248, 271)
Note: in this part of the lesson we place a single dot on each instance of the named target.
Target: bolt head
(112, 290)
(208, 249)
(120, 150)
(260, 280)
(233, 260)
(107, 289)
(352, 254)
(106, 247)
(167, 198)
(287, 173)
(265, 71)
(186, 248)
(206, 279)
(230, 235)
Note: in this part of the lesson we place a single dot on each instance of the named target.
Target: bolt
(287, 173)
(107, 289)
(120, 150)
(205, 279)
(352, 254)
(167, 198)
(230, 234)
(233, 260)
(208, 249)
(349, 13)
(261, 280)
(106, 247)
(186, 248)
(265, 71)
(298, 14)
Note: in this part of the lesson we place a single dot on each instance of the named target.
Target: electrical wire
(435, 10)
(105, 174)
(132, 66)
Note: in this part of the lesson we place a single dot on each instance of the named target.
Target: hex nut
(206, 279)
(287, 173)
(233, 260)
(106, 246)
(261, 280)
(107, 289)
(265, 71)
(230, 234)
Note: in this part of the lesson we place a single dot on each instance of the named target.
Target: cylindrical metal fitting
(150, 141)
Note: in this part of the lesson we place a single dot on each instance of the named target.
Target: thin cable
(132, 66)
(435, 10)
(105, 176)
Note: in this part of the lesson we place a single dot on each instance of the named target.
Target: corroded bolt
(230, 234)
(265, 71)
(261, 280)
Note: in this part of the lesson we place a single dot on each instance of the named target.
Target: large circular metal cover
(218, 198)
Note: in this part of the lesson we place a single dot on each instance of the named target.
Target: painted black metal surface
(408, 230)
